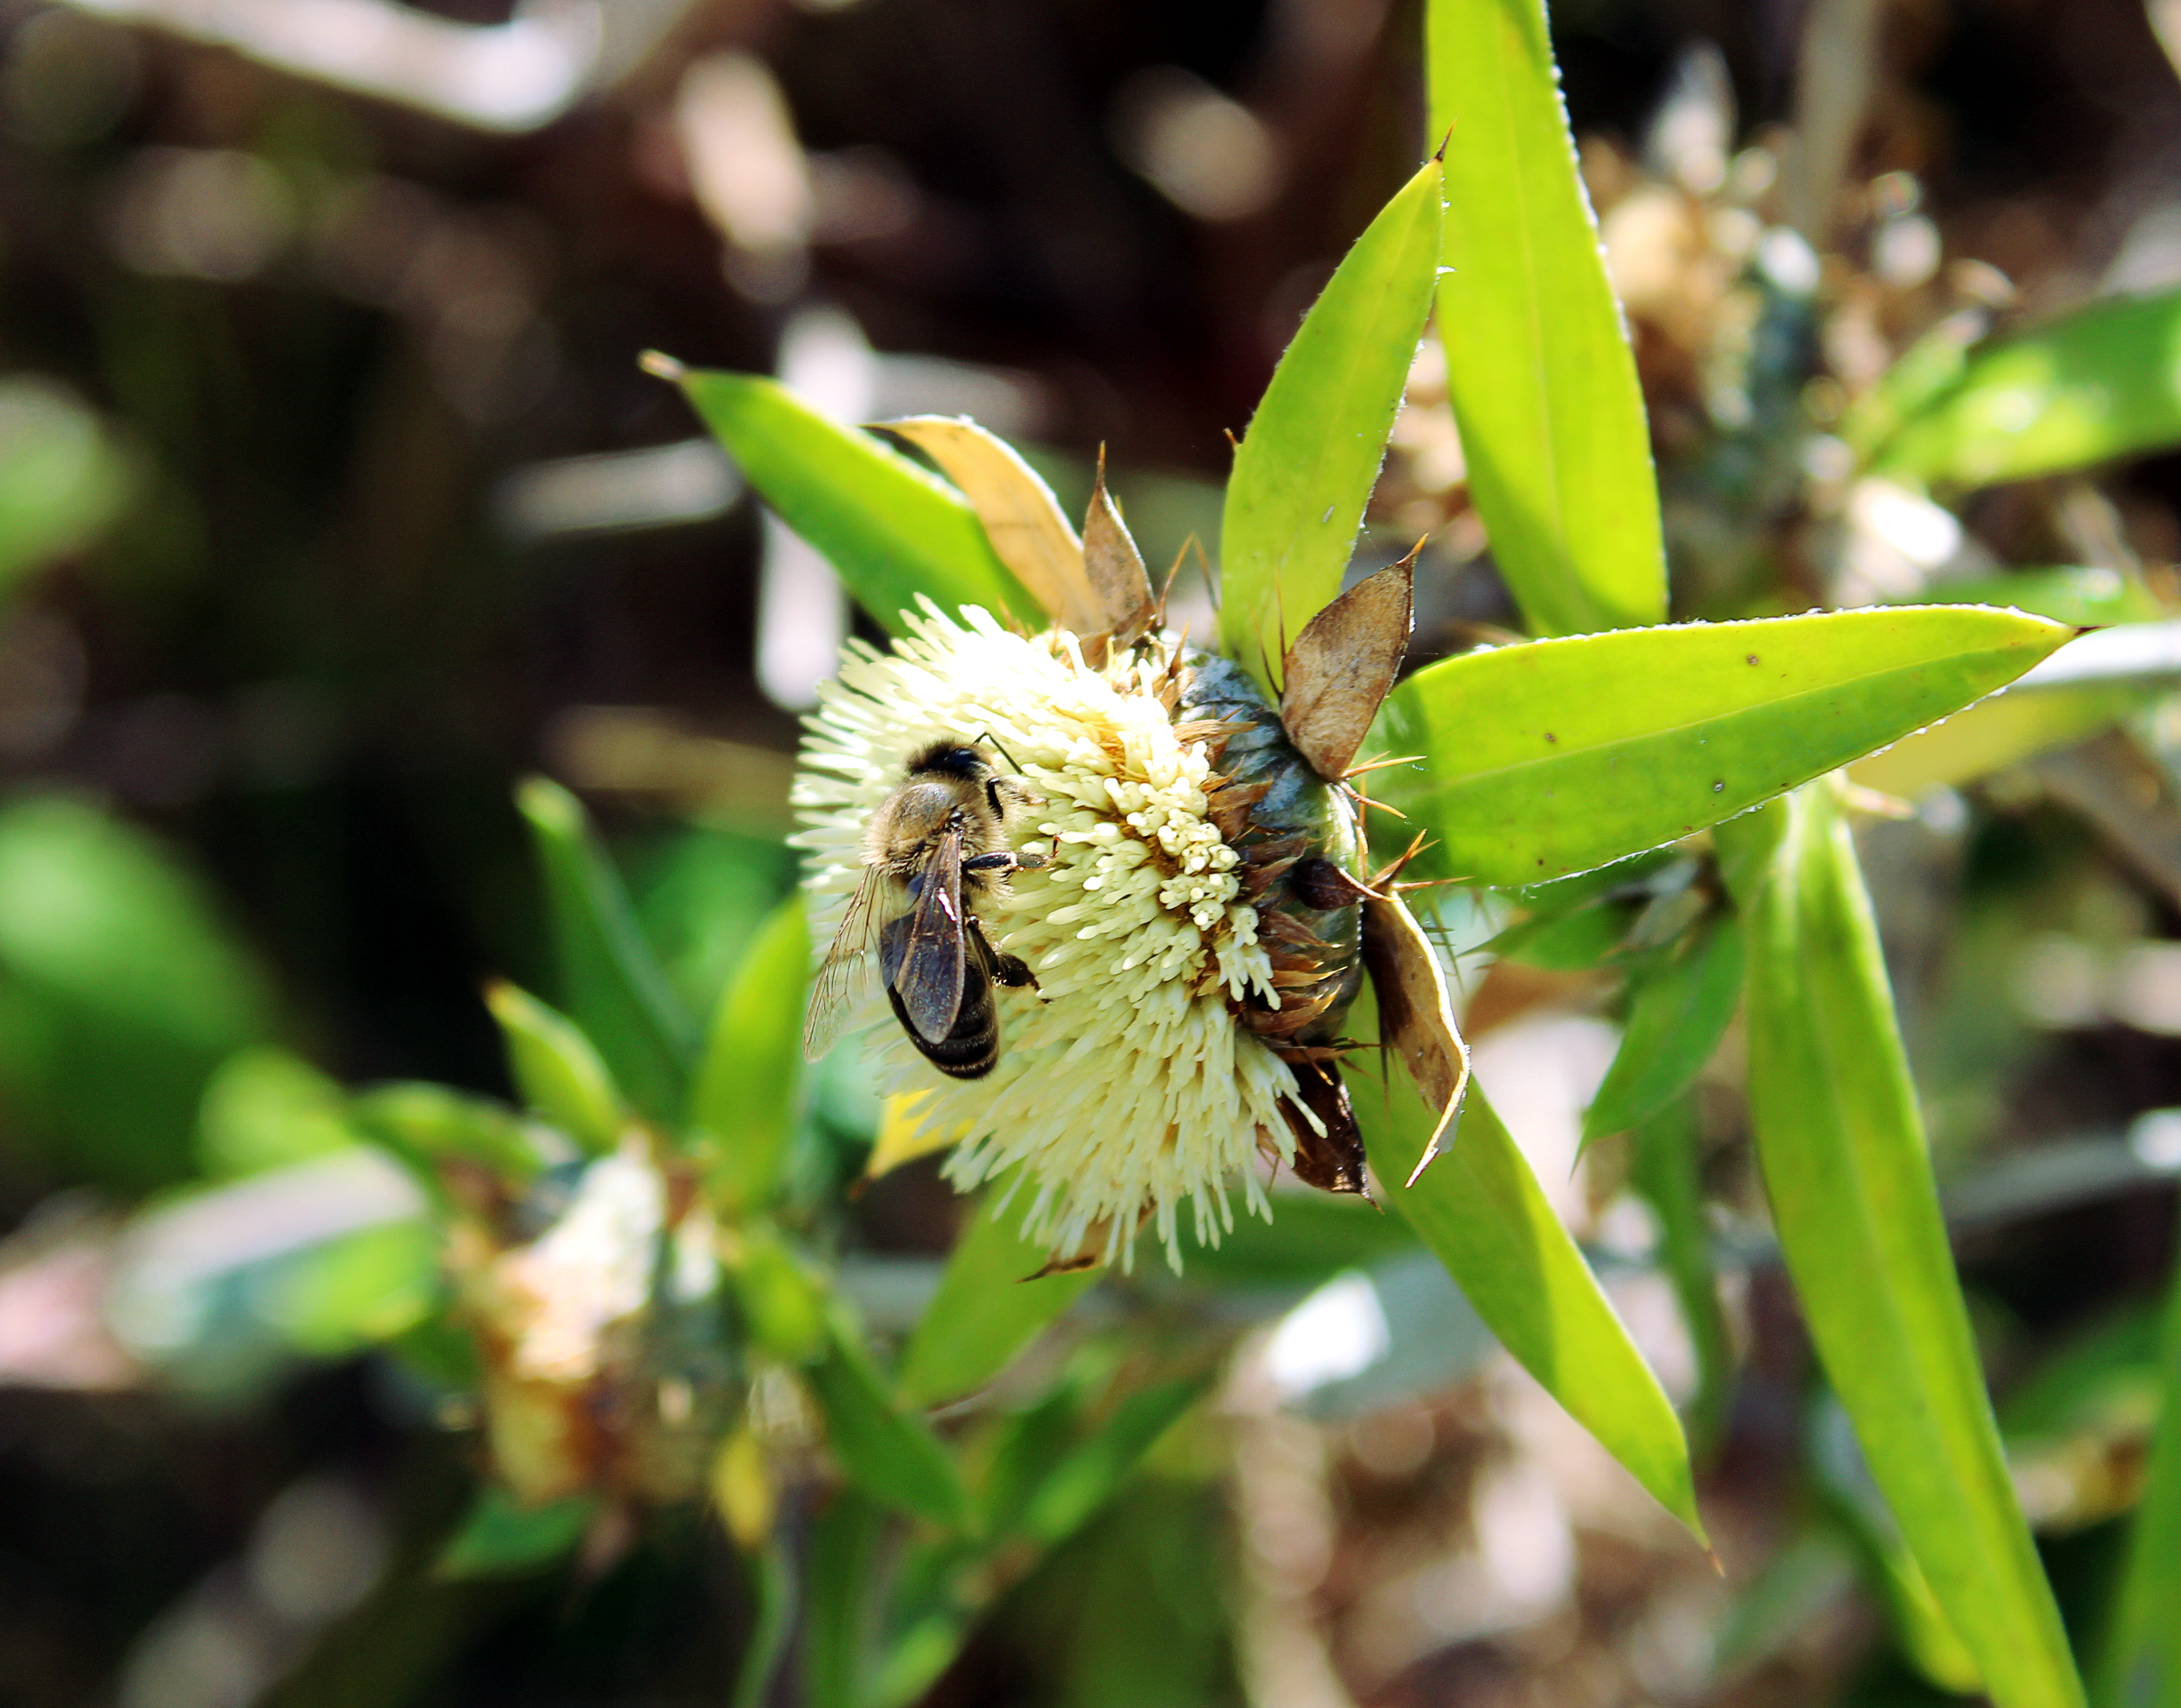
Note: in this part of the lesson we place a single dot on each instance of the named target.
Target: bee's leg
(1003, 860)
(1010, 970)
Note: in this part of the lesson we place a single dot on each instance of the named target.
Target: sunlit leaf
(892, 530)
(1992, 734)
(2140, 1666)
(553, 1066)
(1678, 1008)
(1849, 1179)
(890, 1453)
(610, 982)
(61, 478)
(1560, 755)
(2101, 382)
(986, 1309)
(2087, 597)
(1538, 365)
(1306, 466)
(1481, 1210)
(742, 1106)
(1926, 1637)
(500, 1538)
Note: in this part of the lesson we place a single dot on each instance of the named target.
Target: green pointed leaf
(1538, 366)
(742, 1108)
(1678, 1009)
(1561, 755)
(889, 1452)
(1664, 1168)
(500, 1538)
(1481, 1210)
(1856, 1211)
(892, 530)
(1993, 734)
(2102, 383)
(2089, 599)
(1304, 469)
(986, 1309)
(2140, 1667)
(610, 984)
(559, 1075)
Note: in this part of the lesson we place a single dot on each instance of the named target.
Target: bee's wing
(929, 983)
(839, 986)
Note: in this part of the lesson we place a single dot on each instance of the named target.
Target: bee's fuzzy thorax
(1136, 1079)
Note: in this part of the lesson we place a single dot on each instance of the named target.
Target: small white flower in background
(1125, 1080)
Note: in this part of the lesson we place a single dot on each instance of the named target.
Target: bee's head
(950, 759)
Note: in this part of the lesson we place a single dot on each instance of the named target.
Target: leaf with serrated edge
(1414, 1013)
(1557, 756)
(1022, 518)
(1343, 665)
(1116, 567)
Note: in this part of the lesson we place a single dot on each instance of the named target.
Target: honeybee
(936, 844)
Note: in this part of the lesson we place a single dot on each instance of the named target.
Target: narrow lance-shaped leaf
(610, 983)
(892, 530)
(1538, 366)
(1994, 734)
(1561, 755)
(1677, 1011)
(1304, 469)
(742, 1108)
(892, 1455)
(986, 1309)
(1856, 1209)
(2141, 1665)
(553, 1066)
(1481, 1210)
(2102, 383)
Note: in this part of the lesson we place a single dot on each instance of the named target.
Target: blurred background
(333, 501)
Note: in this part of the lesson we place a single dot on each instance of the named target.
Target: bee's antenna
(987, 736)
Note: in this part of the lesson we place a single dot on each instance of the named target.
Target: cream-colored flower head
(1125, 1080)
